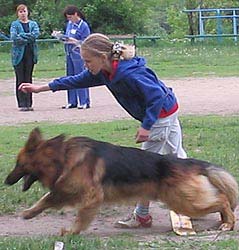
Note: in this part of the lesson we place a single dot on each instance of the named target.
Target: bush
(5, 23)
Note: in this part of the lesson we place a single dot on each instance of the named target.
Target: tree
(48, 15)
(181, 26)
(106, 16)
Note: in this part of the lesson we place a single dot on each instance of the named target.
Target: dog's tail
(225, 182)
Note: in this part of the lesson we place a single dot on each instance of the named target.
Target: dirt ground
(196, 96)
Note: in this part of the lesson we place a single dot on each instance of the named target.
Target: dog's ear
(55, 148)
(56, 142)
(34, 139)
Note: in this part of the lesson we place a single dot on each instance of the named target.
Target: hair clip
(116, 50)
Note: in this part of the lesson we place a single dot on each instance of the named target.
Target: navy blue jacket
(135, 87)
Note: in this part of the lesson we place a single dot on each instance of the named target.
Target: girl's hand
(27, 88)
(142, 135)
(32, 88)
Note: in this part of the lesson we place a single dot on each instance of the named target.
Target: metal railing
(218, 15)
(133, 38)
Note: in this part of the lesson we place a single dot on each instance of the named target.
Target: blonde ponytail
(98, 44)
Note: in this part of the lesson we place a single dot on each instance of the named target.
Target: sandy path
(196, 96)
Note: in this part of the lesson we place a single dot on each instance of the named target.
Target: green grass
(70, 243)
(212, 138)
(115, 243)
(173, 60)
(168, 59)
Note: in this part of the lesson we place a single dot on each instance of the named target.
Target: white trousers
(166, 137)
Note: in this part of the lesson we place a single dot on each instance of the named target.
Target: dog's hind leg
(87, 211)
(227, 215)
(222, 205)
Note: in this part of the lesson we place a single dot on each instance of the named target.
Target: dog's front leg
(87, 211)
(47, 201)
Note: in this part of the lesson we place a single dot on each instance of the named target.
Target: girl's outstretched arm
(29, 88)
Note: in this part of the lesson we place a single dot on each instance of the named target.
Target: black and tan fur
(85, 173)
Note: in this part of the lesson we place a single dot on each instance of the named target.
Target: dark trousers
(23, 73)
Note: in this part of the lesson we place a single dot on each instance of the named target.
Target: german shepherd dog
(85, 173)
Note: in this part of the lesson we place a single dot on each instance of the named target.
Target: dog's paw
(64, 232)
(27, 214)
(226, 227)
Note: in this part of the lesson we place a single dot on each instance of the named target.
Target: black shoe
(69, 106)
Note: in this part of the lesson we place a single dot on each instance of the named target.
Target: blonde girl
(138, 90)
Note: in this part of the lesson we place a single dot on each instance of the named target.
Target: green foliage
(178, 23)
(181, 22)
(152, 17)
(114, 17)
(219, 4)
(5, 23)
(48, 16)
(106, 16)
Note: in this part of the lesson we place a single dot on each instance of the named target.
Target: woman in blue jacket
(76, 31)
(138, 91)
(24, 53)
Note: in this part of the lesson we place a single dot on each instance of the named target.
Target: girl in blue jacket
(24, 53)
(138, 91)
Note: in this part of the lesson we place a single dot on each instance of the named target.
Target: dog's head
(39, 160)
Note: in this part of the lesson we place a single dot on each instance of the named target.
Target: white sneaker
(85, 106)
(134, 221)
